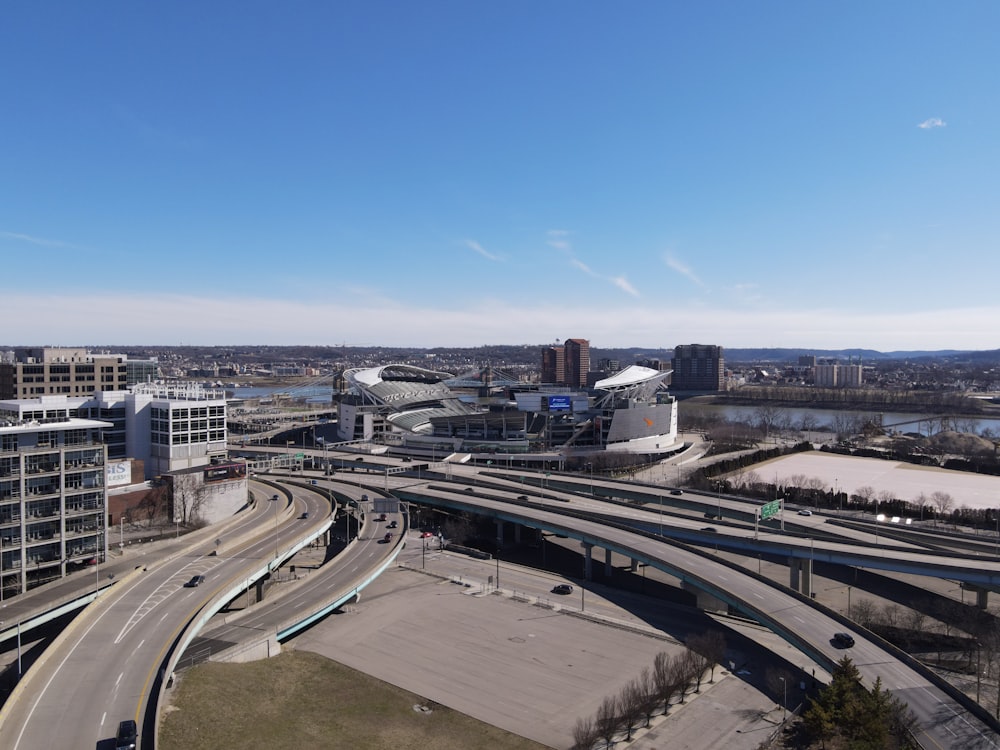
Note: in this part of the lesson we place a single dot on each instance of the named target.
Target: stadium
(488, 411)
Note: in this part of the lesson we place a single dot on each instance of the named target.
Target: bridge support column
(607, 563)
(703, 600)
(633, 565)
(800, 575)
(517, 533)
(588, 559)
(500, 533)
(982, 595)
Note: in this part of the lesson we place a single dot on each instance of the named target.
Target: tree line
(654, 690)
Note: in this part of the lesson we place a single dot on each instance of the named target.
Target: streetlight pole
(848, 601)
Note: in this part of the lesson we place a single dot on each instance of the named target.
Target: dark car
(710, 529)
(305, 514)
(392, 524)
(676, 492)
(843, 640)
(195, 581)
(387, 538)
(125, 739)
(523, 498)
(562, 588)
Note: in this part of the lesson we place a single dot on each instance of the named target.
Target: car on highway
(562, 588)
(392, 524)
(523, 498)
(676, 492)
(711, 529)
(194, 581)
(805, 512)
(387, 538)
(305, 515)
(843, 640)
(425, 534)
(126, 736)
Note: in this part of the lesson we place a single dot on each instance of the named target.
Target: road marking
(103, 717)
(118, 681)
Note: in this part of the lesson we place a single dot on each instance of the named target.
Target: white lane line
(103, 717)
(118, 681)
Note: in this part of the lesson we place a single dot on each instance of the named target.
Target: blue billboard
(559, 403)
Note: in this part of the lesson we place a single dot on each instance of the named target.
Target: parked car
(126, 736)
(195, 581)
(562, 588)
(843, 640)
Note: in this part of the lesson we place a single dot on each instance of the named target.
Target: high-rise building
(568, 364)
(553, 364)
(44, 371)
(698, 367)
(577, 355)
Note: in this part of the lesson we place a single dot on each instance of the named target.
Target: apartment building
(698, 367)
(567, 364)
(53, 498)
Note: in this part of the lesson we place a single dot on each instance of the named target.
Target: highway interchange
(112, 663)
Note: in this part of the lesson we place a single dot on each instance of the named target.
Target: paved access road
(104, 668)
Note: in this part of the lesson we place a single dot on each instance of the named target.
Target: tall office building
(553, 364)
(698, 367)
(577, 362)
(44, 371)
(568, 364)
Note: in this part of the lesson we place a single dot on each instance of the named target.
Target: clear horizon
(445, 174)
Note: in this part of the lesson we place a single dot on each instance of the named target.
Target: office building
(32, 372)
(567, 364)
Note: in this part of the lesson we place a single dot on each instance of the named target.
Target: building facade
(698, 367)
(53, 499)
(33, 372)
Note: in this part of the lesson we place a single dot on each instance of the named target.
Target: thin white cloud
(557, 239)
(931, 123)
(622, 283)
(577, 263)
(34, 240)
(473, 245)
(682, 268)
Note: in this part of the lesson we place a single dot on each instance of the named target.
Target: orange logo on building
(648, 421)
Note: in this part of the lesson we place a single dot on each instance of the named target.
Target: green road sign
(767, 510)
(300, 455)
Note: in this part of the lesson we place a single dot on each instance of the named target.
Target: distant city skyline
(767, 175)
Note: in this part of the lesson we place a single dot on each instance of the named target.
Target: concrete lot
(535, 663)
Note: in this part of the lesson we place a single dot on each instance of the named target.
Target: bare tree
(943, 502)
(866, 493)
(864, 612)
(650, 696)
(630, 705)
(584, 734)
(606, 720)
(189, 496)
(711, 647)
(153, 504)
(666, 678)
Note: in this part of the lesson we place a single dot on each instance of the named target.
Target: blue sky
(747, 174)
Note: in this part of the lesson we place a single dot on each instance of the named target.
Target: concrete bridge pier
(703, 600)
(982, 595)
(499, 532)
(800, 575)
(633, 564)
(588, 560)
(607, 563)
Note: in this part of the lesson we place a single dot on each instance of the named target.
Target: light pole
(848, 601)
(274, 499)
(784, 698)
(591, 467)
(499, 540)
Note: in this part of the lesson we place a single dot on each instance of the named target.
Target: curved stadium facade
(630, 411)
